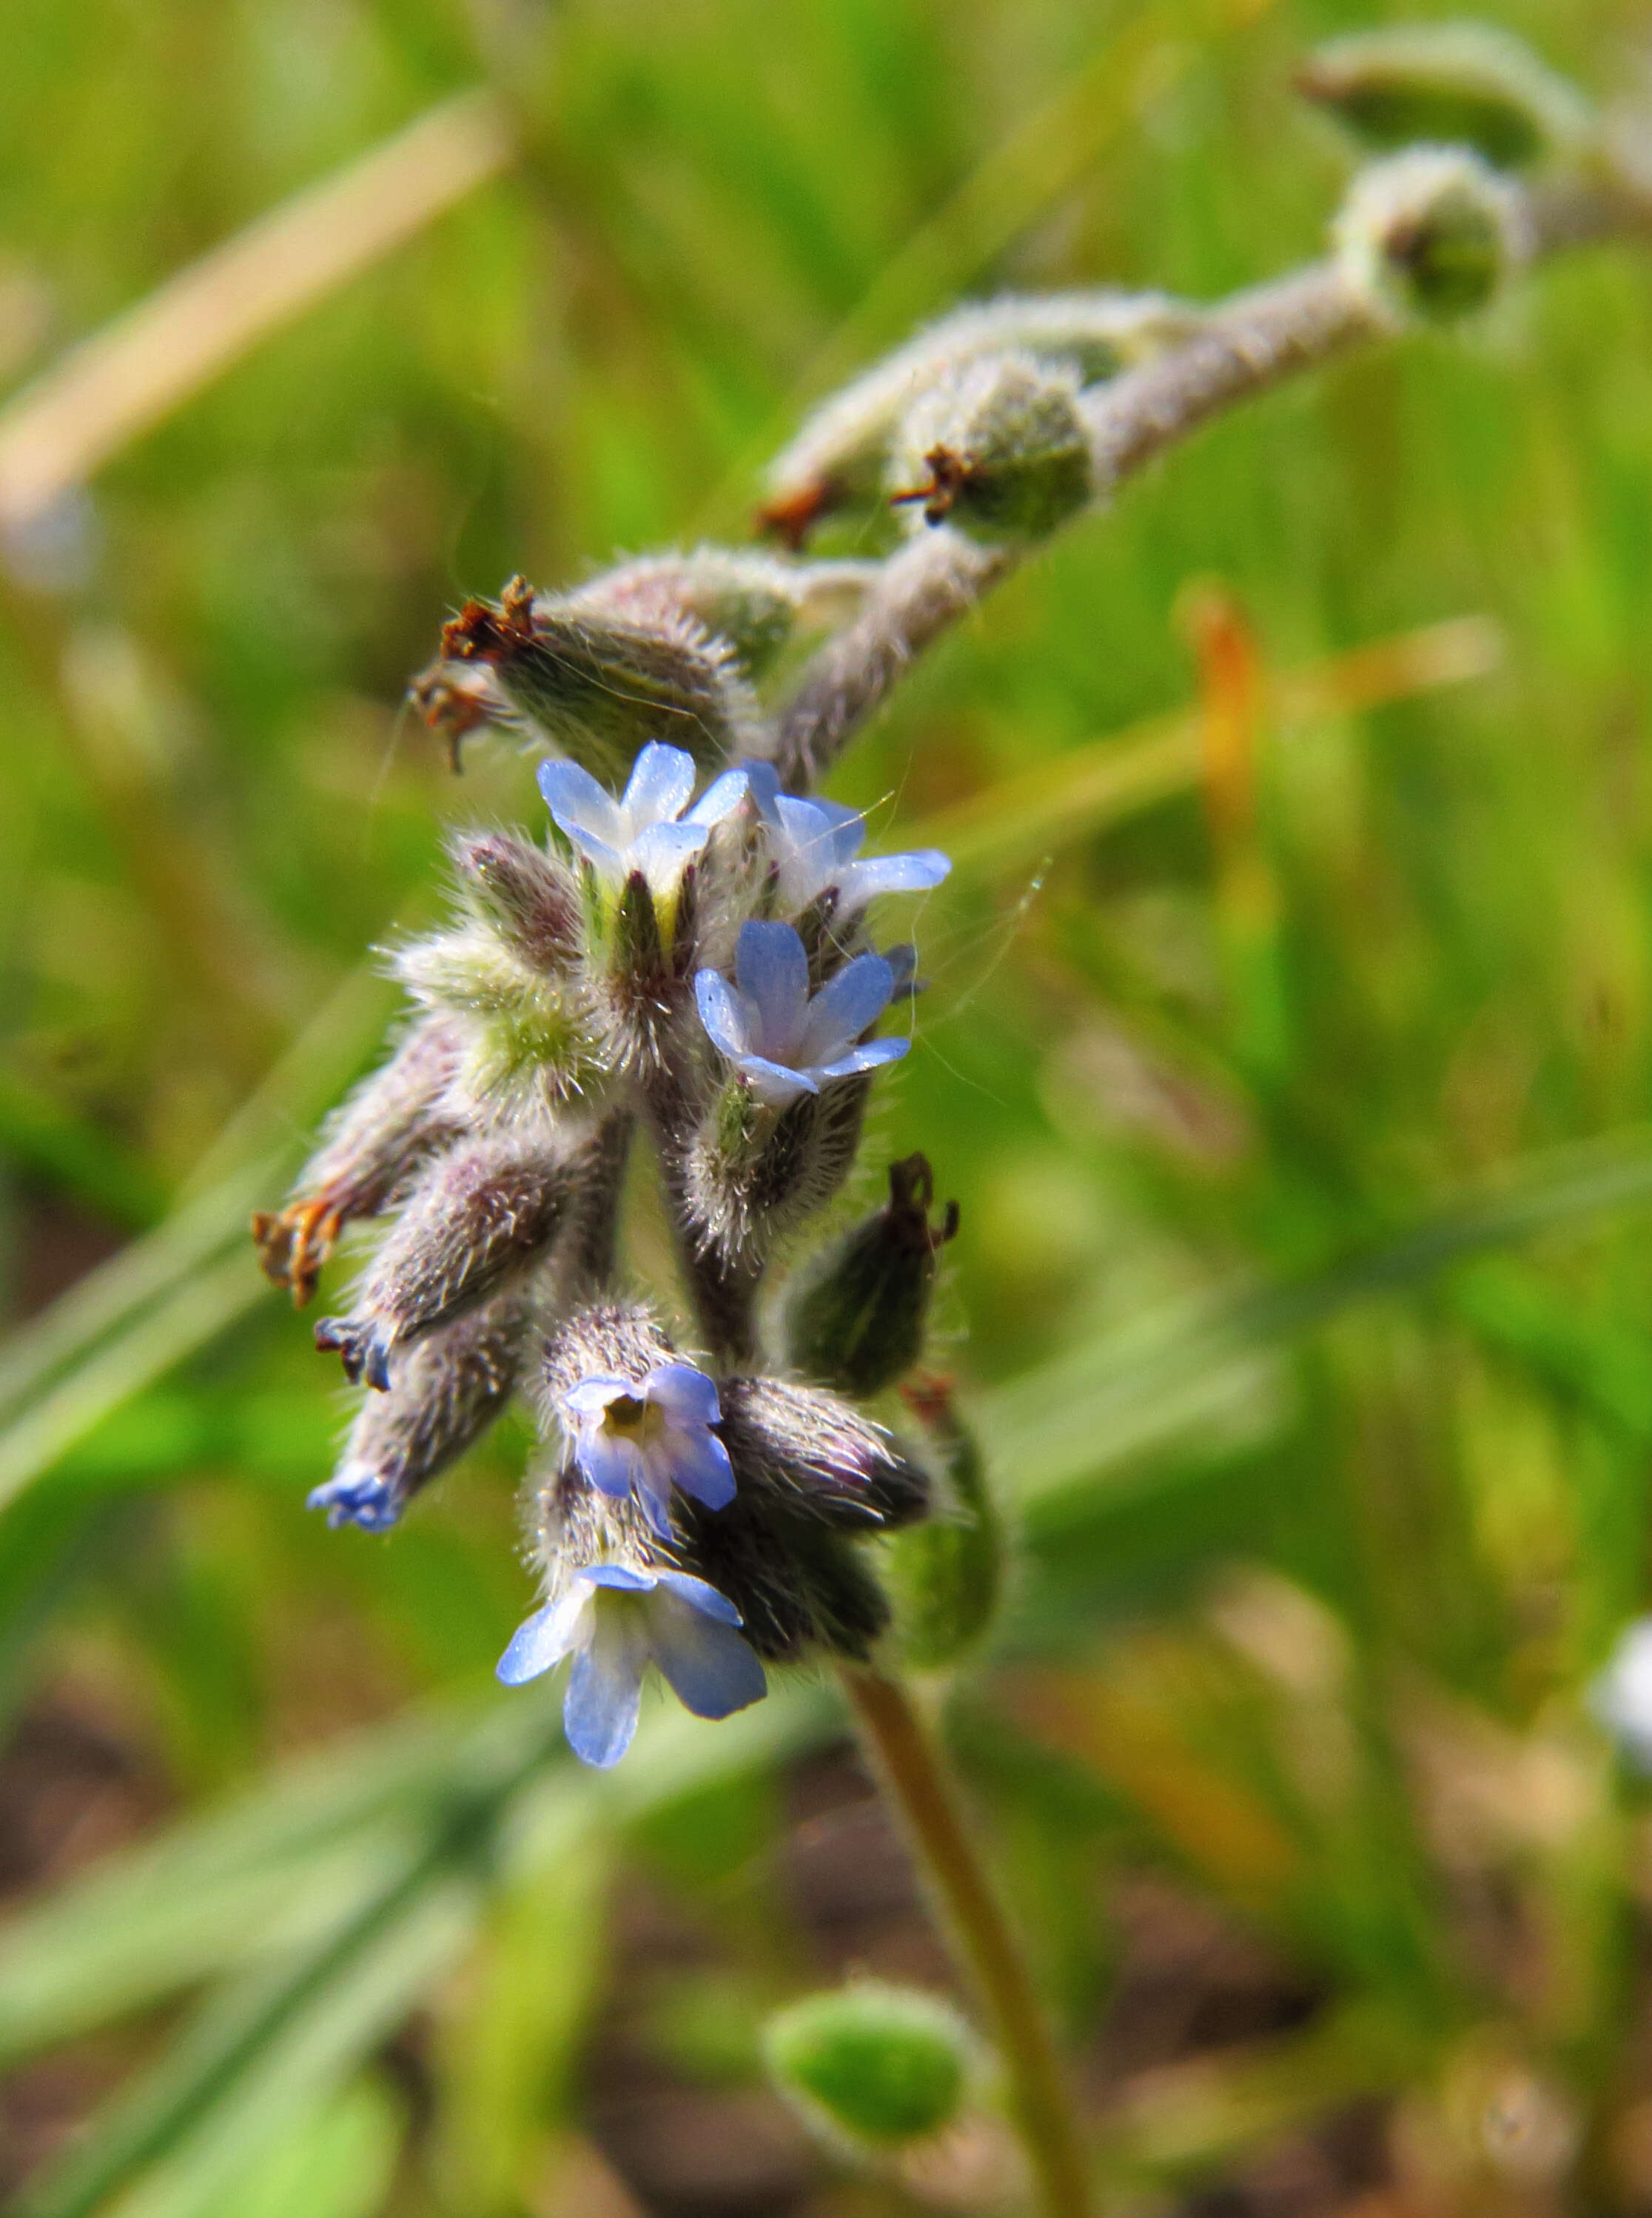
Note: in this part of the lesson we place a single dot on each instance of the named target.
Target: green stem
(915, 1774)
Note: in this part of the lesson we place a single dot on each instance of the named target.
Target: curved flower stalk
(782, 1040)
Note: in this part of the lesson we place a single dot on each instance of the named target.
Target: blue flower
(358, 1496)
(614, 1621)
(814, 844)
(646, 829)
(782, 1043)
(644, 1438)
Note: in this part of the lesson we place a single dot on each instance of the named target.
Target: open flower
(782, 1043)
(643, 1437)
(814, 844)
(646, 829)
(615, 1620)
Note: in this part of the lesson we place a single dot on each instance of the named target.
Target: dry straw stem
(138, 369)
(1245, 346)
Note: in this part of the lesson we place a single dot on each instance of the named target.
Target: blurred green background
(1293, 1084)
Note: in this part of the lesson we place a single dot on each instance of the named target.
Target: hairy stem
(916, 1777)
(1243, 347)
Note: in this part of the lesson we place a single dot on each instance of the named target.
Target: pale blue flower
(650, 828)
(643, 1439)
(815, 843)
(782, 1043)
(614, 1621)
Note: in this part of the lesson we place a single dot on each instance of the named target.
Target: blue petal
(599, 1713)
(607, 862)
(721, 798)
(763, 782)
(700, 1465)
(357, 1495)
(663, 851)
(772, 971)
(726, 1015)
(661, 780)
(776, 1083)
(546, 1638)
(872, 1056)
(591, 1396)
(916, 873)
(856, 996)
(656, 1473)
(614, 1468)
(701, 1596)
(684, 1393)
(625, 1577)
(708, 1667)
(574, 798)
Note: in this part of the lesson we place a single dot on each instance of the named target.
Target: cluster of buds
(687, 951)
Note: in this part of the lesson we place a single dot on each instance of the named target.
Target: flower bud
(598, 686)
(857, 1323)
(998, 449)
(375, 1143)
(811, 1476)
(754, 1172)
(838, 459)
(530, 898)
(1432, 233)
(880, 2066)
(526, 1042)
(945, 1576)
(444, 1393)
(478, 1221)
(748, 599)
(1448, 84)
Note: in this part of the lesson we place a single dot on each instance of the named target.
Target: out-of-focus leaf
(337, 2163)
(1065, 1424)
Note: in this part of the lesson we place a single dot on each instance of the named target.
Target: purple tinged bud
(374, 1144)
(479, 1220)
(443, 1394)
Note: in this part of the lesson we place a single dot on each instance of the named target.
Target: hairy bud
(444, 1393)
(857, 1321)
(1432, 232)
(598, 686)
(753, 1172)
(998, 449)
(373, 1145)
(838, 458)
(880, 2066)
(529, 897)
(477, 1222)
(527, 1043)
(945, 1576)
(1448, 84)
(811, 1476)
(750, 600)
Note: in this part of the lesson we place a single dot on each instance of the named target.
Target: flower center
(632, 1418)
